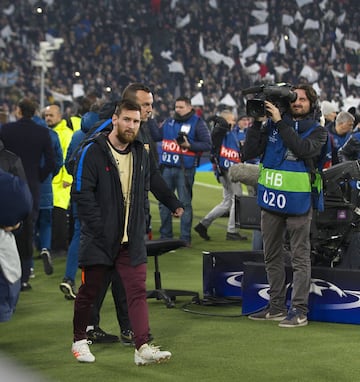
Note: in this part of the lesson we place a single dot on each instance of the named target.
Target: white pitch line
(207, 185)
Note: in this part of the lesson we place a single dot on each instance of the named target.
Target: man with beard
(290, 147)
(111, 191)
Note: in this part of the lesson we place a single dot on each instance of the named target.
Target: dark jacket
(97, 192)
(31, 142)
(15, 201)
(158, 186)
(10, 162)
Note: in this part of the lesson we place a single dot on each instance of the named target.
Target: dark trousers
(60, 229)
(24, 242)
(134, 280)
(119, 297)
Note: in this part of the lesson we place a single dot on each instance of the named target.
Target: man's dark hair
(131, 90)
(187, 100)
(27, 107)
(310, 94)
(127, 104)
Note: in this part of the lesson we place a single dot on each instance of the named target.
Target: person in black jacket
(15, 206)
(142, 95)
(32, 143)
(112, 180)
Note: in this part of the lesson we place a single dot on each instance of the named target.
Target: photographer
(289, 145)
(225, 152)
(184, 138)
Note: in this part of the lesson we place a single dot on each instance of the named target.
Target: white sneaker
(81, 351)
(148, 354)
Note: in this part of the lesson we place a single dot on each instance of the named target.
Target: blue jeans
(181, 181)
(72, 257)
(43, 228)
(9, 295)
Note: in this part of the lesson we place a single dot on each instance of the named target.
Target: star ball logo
(327, 295)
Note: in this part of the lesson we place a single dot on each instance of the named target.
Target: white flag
(282, 45)
(60, 97)
(309, 73)
(339, 34)
(166, 54)
(337, 74)
(181, 22)
(341, 18)
(317, 88)
(78, 90)
(176, 67)
(6, 32)
(249, 51)
(9, 10)
(343, 92)
(293, 39)
(262, 57)
(281, 69)
(287, 20)
(298, 17)
(252, 69)
(352, 44)
(301, 3)
(269, 46)
(198, 100)
(353, 81)
(333, 53)
(236, 41)
(261, 4)
(213, 4)
(262, 29)
(260, 15)
(228, 101)
(311, 24)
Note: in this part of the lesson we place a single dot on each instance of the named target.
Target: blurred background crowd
(208, 49)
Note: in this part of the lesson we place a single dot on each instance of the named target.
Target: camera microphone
(244, 173)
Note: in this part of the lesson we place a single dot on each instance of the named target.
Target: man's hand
(66, 184)
(185, 144)
(11, 228)
(178, 212)
(273, 112)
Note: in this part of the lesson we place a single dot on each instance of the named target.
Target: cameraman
(289, 146)
(226, 137)
(184, 138)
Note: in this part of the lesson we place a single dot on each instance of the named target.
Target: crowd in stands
(111, 43)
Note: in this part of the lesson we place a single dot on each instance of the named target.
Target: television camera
(279, 94)
(335, 232)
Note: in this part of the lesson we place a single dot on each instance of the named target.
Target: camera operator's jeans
(227, 204)
(274, 229)
(179, 180)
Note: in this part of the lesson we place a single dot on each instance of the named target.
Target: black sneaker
(98, 336)
(25, 287)
(268, 314)
(235, 236)
(68, 288)
(127, 337)
(46, 258)
(294, 319)
(202, 231)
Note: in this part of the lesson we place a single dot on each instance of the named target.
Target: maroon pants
(134, 280)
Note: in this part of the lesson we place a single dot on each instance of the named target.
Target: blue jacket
(198, 135)
(46, 193)
(16, 200)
